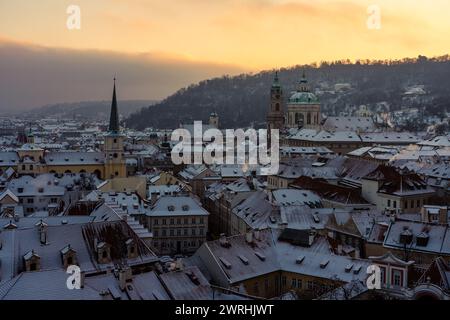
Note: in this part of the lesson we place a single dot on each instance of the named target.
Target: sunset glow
(252, 34)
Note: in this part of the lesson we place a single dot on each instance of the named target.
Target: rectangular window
(171, 232)
(383, 275)
(397, 278)
(310, 285)
(395, 204)
(185, 232)
(418, 203)
(294, 283)
(155, 222)
(389, 202)
(172, 221)
(299, 283)
(193, 220)
(164, 221)
(283, 281)
(193, 232)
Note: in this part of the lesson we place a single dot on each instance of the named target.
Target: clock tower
(275, 117)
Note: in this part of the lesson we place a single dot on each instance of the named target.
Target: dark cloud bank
(32, 76)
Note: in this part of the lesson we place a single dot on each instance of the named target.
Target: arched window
(299, 119)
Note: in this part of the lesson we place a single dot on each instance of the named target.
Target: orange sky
(252, 34)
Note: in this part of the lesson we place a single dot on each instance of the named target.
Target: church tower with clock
(113, 149)
(275, 117)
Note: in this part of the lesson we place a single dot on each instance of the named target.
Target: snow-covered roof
(177, 206)
(74, 158)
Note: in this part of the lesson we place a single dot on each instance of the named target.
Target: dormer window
(132, 251)
(32, 261)
(68, 256)
(103, 253)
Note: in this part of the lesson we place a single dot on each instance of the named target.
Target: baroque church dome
(301, 97)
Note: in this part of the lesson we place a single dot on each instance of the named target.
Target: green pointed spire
(303, 80)
(114, 117)
(276, 82)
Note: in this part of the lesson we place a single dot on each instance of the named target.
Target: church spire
(303, 85)
(303, 80)
(276, 81)
(114, 117)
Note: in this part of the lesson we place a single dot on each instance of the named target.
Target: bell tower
(275, 117)
(113, 148)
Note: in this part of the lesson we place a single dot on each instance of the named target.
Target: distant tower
(303, 108)
(30, 136)
(214, 120)
(113, 149)
(275, 117)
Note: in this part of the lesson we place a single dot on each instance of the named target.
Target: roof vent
(357, 269)
(243, 259)
(225, 262)
(324, 264)
(349, 267)
(260, 256)
(300, 260)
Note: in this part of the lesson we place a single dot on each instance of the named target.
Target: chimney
(223, 241)
(443, 215)
(82, 276)
(312, 235)
(43, 234)
(179, 264)
(125, 275)
(393, 217)
(153, 198)
(257, 234)
(249, 237)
